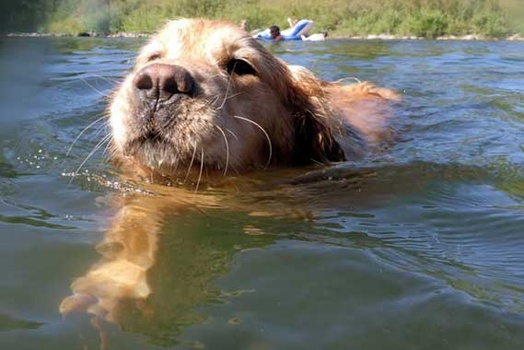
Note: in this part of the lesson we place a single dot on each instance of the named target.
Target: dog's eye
(239, 67)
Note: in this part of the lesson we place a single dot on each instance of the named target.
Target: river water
(421, 247)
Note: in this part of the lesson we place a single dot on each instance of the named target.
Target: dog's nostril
(143, 81)
(163, 81)
(170, 86)
(185, 82)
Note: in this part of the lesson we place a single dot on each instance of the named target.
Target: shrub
(427, 24)
(427, 18)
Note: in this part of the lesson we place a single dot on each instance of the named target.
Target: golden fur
(230, 105)
(186, 107)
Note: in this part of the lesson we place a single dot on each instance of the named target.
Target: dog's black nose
(161, 81)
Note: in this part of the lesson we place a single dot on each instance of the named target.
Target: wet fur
(279, 115)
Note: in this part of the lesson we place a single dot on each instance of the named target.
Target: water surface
(418, 248)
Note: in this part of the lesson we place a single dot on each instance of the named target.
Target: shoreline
(385, 37)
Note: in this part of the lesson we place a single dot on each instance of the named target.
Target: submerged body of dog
(205, 98)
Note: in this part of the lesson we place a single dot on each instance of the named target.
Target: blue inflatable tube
(302, 27)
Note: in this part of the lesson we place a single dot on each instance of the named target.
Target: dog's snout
(161, 81)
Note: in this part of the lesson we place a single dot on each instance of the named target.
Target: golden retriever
(206, 98)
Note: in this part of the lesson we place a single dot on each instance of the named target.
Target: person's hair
(274, 29)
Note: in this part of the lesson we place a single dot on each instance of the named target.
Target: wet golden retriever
(205, 98)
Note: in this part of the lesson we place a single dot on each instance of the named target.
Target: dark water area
(421, 247)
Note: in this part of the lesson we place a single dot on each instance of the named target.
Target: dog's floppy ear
(315, 126)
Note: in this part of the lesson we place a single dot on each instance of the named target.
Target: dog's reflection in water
(157, 264)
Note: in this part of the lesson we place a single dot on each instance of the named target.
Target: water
(418, 248)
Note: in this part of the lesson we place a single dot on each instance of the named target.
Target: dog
(206, 99)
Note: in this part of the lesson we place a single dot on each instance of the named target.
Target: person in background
(243, 25)
(292, 22)
(275, 33)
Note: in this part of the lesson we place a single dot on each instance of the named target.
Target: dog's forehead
(197, 39)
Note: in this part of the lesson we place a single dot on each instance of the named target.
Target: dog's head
(206, 94)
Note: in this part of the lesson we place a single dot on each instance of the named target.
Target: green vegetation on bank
(426, 18)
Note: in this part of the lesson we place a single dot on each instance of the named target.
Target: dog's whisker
(226, 94)
(110, 81)
(102, 128)
(212, 101)
(108, 144)
(347, 78)
(233, 95)
(105, 129)
(265, 133)
(232, 134)
(191, 163)
(104, 140)
(103, 94)
(227, 148)
(201, 169)
(82, 132)
(109, 150)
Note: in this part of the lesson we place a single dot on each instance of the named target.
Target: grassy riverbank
(423, 18)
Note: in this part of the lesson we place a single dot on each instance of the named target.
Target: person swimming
(274, 31)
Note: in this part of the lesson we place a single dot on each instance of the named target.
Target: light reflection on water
(418, 248)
